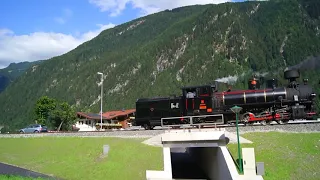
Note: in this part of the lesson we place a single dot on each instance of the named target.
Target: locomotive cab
(197, 99)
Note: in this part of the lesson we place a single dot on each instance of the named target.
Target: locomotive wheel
(285, 121)
(245, 120)
(263, 122)
(280, 122)
(146, 126)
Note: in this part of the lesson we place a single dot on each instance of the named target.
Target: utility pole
(101, 96)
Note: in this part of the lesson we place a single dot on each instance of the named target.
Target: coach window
(204, 91)
(191, 93)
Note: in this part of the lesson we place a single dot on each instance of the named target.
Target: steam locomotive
(205, 104)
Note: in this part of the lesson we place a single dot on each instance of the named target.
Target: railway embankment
(291, 128)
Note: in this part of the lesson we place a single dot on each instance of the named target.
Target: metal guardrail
(191, 123)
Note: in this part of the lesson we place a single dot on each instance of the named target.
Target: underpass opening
(184, 166)
(201, 154)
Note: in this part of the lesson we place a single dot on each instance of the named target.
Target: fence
(191, 122)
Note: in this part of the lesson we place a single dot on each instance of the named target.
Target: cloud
(4, 32)
(66, 15)
(40, 45)
(60, 20)
(115, 7)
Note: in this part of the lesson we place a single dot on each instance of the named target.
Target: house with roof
(110, 120)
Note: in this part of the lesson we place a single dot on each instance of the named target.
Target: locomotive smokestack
(292, 75)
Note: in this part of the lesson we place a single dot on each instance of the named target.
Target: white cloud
(40, 45)
(115, 7)
(66, 15)
(60, 20)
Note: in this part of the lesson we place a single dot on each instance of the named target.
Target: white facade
(86, 125)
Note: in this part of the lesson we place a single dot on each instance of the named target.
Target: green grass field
(286, 156)
(80, 158)
(7, 177)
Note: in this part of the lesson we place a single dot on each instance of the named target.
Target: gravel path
(297, 128)
(292, 128)
(123, 134)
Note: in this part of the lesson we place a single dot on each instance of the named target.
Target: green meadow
(286, 156)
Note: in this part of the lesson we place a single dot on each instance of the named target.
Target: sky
(33, 30)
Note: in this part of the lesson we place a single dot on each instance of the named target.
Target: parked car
(34, 128)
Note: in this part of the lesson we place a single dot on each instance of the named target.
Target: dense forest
(157, 54)
(13, 71)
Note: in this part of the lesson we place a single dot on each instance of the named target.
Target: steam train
(205, 104)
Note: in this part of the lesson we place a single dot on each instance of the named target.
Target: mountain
(157, 54)
(13, 71)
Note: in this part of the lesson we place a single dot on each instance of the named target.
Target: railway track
(212, 125)
(298, 126)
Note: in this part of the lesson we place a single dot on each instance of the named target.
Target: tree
(51, 112)
(64, 115)
(43, 108)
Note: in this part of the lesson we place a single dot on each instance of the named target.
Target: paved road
(17, 171)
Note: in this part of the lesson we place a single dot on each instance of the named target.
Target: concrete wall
(208, 150)
(167, 168)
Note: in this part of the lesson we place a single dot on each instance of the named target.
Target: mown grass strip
(285, 155)
(80, 158)
(12, 177)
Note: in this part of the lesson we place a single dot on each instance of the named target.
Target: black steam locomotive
(206, 105)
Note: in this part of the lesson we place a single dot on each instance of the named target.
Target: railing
(191, 123)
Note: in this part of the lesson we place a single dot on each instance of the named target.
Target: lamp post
(101, 98)
(236, 110)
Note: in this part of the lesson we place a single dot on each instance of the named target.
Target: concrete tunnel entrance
(199, 163)
(201, 154)
(184, 166)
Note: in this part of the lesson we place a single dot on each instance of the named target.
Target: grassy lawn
(79, 158)
(6, 177)
(285, 155)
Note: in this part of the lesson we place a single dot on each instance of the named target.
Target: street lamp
(101, 98)
(236, 110)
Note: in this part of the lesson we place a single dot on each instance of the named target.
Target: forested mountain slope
(13, 71)
(157, 54)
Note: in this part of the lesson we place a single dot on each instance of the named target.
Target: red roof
(90, 115)
(113, 114)
(107, 115)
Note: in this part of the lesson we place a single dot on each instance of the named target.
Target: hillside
(12, 72)
(157, 54)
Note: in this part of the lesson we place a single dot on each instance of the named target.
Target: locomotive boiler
(295, 101)
(272, 103)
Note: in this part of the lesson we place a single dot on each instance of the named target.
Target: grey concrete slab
(7, 169)
(156, 140)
